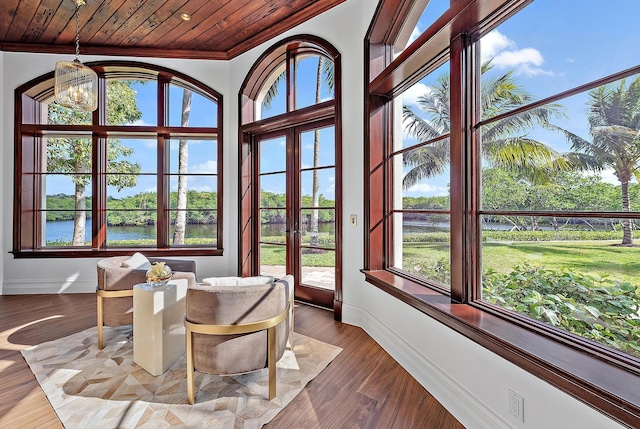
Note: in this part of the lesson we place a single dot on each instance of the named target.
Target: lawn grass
(597, 258)
(276, 255)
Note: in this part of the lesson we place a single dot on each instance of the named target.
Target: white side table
(158, 329)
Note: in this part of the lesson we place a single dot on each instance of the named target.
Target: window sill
(94, 253)
(606, 387)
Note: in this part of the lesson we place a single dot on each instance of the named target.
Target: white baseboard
(39, 286)
(470, 411)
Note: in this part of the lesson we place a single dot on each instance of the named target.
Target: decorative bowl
(158, 275)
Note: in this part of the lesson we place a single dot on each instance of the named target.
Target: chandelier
(76, 85)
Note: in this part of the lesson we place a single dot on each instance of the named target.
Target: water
(62, 230)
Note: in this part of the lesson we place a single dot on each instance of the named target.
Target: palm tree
(614, 125)
(183, 157)
(505, 142)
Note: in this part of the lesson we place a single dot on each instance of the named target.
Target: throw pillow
(137, 261)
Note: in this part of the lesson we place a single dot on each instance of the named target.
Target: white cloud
(506, 55)
(425, 188)
(202, 188)
(494, 42)
(330, 191)
(607, 175)
(414, 35)
(209, 167)
(411, 95)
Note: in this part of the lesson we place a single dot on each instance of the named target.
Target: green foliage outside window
(601, 309)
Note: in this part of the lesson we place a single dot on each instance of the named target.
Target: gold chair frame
(245, 328)
(102, 295)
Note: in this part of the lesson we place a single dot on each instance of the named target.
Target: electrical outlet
(516, 405)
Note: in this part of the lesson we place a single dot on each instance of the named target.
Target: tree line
(506, 189)
(140, 209)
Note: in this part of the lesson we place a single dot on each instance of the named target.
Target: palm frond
(417, 127)
(427, 161)
(272, 92)
(328, 71)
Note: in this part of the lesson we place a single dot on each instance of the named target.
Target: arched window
(290, 168)
(141, 172)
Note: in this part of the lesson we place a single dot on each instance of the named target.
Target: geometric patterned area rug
(104, 388)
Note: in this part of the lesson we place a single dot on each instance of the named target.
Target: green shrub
(602, 310)
(443, 237)
(563, 235)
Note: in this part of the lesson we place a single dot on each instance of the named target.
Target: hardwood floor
(362, 388)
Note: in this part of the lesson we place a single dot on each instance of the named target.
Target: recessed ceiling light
(185, 16)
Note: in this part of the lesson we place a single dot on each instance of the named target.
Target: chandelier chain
(77, 31)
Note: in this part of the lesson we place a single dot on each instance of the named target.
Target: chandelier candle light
(76, 85)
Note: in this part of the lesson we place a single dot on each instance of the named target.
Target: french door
(297, 209)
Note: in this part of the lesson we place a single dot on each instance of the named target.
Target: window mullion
(163, 192)
(458, 180)
(99, 191)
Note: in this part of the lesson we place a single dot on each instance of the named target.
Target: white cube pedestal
(158, 329)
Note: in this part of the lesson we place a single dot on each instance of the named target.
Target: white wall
(468, 379)
(3, 156)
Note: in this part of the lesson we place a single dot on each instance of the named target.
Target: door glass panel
(273, 155)
(324, 140)
(273, 190)
(316, 208)
(322, 234)
(273, 260)
(324, 184)
(297, 233)
(318, 268)
(273, 226)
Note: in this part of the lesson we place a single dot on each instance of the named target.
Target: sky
(552, 46)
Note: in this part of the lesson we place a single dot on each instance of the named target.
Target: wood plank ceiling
(217, 29)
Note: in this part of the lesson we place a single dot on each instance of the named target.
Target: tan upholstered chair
(236, 326)
(115, 288)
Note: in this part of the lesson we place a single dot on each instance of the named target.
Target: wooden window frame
(602, 378)
(29, 125)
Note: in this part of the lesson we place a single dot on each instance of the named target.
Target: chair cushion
(137, 261)
(237, 281)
